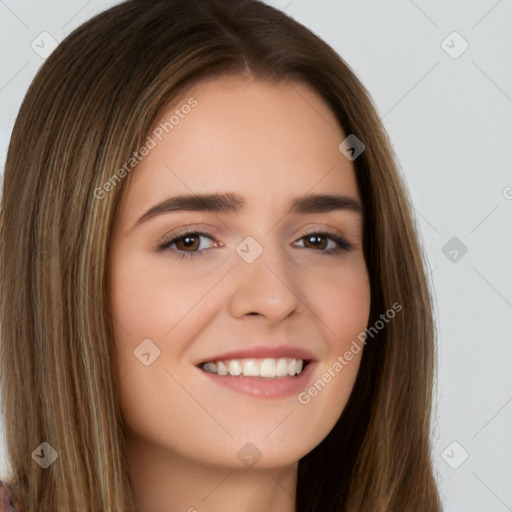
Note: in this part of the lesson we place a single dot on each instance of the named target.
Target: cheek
(149, 300)
(342, 302)
(156, 312)
(151, 311)
(341, 307)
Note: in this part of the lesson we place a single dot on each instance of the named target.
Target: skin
(270, 143)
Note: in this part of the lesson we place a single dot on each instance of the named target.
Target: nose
(265, 287)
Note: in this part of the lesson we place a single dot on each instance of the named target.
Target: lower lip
(262, 387)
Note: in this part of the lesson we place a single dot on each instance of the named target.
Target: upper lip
(262, 352)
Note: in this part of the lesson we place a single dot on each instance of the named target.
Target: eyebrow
(235, 203)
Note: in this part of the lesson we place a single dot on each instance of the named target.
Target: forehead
(268, 142)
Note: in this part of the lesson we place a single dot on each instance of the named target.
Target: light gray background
(450, 121)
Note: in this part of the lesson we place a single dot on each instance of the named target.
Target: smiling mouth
(268, 368)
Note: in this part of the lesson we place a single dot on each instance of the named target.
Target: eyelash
(166, 242)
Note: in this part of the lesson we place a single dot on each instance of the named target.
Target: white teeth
(282, 366)
(222, 369)
(269, 367)
(250, 368)
(292, 367)
(234, 367)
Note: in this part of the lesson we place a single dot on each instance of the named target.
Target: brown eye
(187, 242)
(318, 242)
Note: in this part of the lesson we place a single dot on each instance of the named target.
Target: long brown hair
(91, 105)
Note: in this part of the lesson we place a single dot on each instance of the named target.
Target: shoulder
(5, 499)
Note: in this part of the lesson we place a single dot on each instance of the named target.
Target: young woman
(213, 296)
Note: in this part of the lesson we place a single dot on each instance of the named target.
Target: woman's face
(259, 290)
